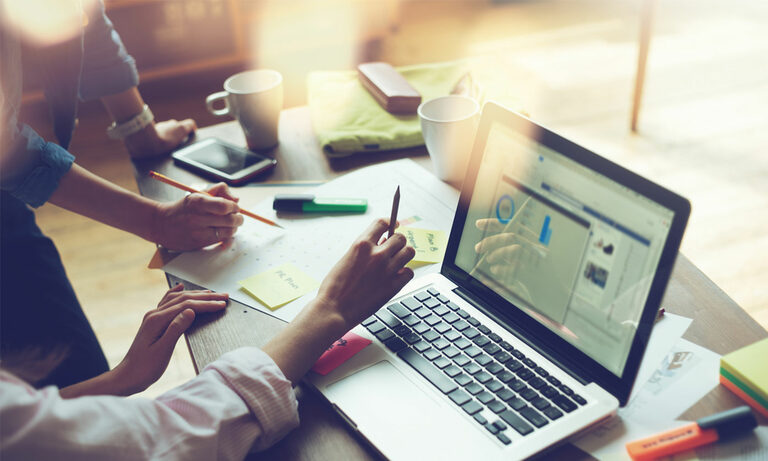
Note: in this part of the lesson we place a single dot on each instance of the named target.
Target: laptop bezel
(516, 320)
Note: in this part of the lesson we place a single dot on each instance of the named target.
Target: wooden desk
(719, 323)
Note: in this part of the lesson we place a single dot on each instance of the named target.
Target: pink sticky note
(339, 352)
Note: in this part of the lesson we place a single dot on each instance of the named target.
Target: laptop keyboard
(473, 366)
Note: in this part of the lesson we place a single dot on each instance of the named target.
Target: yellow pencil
(178, 185)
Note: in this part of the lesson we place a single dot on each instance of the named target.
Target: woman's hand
(197, 220)
(159, 138)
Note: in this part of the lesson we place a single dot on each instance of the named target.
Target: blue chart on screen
(499, 204)
(546, 231)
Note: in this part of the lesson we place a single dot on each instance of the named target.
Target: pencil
(178, 185)
(393, 216)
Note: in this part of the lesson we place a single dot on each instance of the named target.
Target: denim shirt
(89, 66)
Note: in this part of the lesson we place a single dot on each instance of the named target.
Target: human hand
(367, 276)
(197, 220)
(158, 334)
(500, 251)
(159, 138)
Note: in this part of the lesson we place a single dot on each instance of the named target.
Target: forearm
(83, 192)
(296, 349)
(105, 384)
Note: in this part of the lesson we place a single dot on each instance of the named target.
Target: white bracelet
(129, 127)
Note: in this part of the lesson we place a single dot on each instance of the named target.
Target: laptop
(534, 329)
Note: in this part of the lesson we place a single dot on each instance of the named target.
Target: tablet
(223, 161)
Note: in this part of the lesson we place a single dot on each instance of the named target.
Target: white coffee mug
(254, 98)
(448, 124)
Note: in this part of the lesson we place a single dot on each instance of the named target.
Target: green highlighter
(308, 203)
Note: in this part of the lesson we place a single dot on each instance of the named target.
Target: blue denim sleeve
(44, 163)
(107, 66)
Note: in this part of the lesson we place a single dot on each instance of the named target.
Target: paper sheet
(429, 245)
(279, 286)
(339, 352)
(313, 243)
(685, 375)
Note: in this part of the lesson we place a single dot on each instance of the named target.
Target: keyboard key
(411, 320)
(433, 291)
(516, 385)
(459, 397)
(402, 330)
(430, 335)
(452, 306)
(579, 399)
(536, 382)
(432, 303)
(492, 429)
(461, 360)
(525, 374)
(548, 391)
(451, 352)
(412, 338)
(422, 312)
(517, 354)
(452, 335)
(433, 320)
(564, 403)
(441, 343)
(516, 403)
(461, 343)
(553, 413)
(506, 346)
(502, 357)
(462, 313)
(542, 372)
(480, 419)
(422, 296)
(483, 377)
(388, 318)
(432, 354)
(473, 351)
(472, 368)
(552, 380)
(472, 407)
(528, 394)
(494, 386)
(462, 379)
(473, 321)
(491, 349)
(470, 332)
(399, 310)
(503, 438)
(494, 368)
(481, 340)
(494, 337)
(565, 389)
(411, 303)
(530, 363)
(534, 417)
(485, 397)
(452, 371)
(505, 394)
(483, 329)
(461, 325)
(441, 310)
(483, 360)
(516, 422)
(500, 425)
(505, 376)
(395, 344)
(421, 346)
(441, 362)
(420, 327)
(496, 406)
(451, 317)
(427, 370)
(474, 388)
(376, 327)
(442, 298)
(384, 335)
(372, 319)
(540, 403)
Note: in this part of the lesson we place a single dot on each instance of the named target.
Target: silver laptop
(534, 329)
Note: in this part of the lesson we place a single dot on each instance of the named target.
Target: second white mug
(254, 98)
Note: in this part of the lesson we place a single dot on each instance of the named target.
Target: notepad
(745, 372)
(429, 245)
(339, 352)
(279, 286)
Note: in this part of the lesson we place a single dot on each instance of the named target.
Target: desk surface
(719, 323)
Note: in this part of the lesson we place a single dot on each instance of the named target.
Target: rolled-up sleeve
(238, 402)
(107, 66)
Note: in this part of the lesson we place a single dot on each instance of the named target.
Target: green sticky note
(279, 286)
(429, 245)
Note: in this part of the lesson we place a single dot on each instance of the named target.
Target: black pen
(393, 216)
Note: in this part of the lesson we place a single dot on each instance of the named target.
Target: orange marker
(178, 185)
(704, 431)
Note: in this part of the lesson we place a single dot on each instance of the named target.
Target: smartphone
(223, 161)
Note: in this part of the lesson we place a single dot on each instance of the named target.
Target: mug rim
(454, 120)
(228, 88)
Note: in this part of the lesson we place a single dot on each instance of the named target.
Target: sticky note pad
(339, 352)
(429, 244)
(279, 286)
(745, 370)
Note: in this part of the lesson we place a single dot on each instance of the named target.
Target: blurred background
(571, 64)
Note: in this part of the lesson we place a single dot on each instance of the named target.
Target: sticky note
(279, 286)
(429, 245)
(339, 352)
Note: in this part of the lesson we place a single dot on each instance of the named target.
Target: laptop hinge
(518, 332)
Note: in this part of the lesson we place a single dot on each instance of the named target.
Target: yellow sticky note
(279, 286)
(429, 245)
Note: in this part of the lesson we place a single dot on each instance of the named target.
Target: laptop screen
(568, 246)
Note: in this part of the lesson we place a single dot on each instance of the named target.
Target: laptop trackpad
(390, 409)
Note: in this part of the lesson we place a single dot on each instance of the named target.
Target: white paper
(314, 243)
(685, 375)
